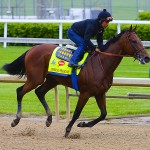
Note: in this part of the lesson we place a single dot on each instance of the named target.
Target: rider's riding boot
(76, 58)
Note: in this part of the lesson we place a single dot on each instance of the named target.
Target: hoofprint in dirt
(114, 134)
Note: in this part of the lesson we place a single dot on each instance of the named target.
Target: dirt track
(31, 134)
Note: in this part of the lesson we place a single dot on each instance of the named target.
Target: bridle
(120, 55)
(134, 48)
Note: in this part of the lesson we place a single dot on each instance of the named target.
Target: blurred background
(71, 9)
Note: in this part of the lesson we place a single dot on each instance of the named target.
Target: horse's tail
(17, 67)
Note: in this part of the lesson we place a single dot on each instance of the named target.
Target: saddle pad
(64, 53)
(60, 67)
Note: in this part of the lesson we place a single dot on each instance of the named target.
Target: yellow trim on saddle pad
(60, 66)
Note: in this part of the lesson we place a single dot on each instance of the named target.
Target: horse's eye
(133, 42)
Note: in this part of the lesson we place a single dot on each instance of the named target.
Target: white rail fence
(60, 41)
(142, 82)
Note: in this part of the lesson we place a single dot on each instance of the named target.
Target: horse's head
(133, 46)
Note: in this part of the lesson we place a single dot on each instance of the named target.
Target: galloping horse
(94, 79)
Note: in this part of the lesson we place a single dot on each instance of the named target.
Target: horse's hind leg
(21, 91)
(19, 100)
(40, 92)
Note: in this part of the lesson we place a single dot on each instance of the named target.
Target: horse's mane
(115, 38)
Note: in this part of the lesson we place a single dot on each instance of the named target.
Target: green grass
(131, 68)
(115, 107)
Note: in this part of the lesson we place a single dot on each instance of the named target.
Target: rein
(119, 55)
(110, 54)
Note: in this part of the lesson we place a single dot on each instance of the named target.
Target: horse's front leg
(19, 101)
(101, 101)
(83, 98)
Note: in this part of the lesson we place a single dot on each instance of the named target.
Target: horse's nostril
(147, 59)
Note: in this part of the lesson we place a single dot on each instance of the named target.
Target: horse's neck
(100, 68)
(113, 61)
(109, 63)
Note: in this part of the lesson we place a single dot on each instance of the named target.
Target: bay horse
(94, 79)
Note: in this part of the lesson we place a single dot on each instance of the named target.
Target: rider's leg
(79, 41)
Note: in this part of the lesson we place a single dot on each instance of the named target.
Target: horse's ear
(130, 28)
(135, 28)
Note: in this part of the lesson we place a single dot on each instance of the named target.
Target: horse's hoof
(67, 132)
(83, 124)
(15, 122)
(49, 121)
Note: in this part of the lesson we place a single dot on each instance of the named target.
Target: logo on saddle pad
(58, 64)
(61, 63)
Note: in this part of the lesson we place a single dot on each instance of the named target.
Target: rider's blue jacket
(88, 29)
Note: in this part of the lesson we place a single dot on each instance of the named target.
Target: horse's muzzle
(144, 60)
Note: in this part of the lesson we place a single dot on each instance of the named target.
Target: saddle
(60, 58)
(65, 52)
(58, 64)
